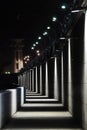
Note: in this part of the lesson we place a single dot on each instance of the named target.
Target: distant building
(18, 55)
(16, 62)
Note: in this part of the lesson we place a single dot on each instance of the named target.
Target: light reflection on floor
(42, 105)
(41, 115)
(43, 120)
(50, 100)
(44, 129)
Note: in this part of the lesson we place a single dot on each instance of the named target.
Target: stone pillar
(21, 83)
(46, 80)
(41, 79)
(56, 83)
(85, 76)
(30, 88)
(24, 79)
(32, 80)
(27, 80)
(36, 77)
(19, 79)
(62, 78)
(69, 78)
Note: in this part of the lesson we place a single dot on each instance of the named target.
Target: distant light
(28, 59)
(37, 43)
(39, 38)
(45, 33)
(62, 38)
(32, 48)
(54, 19)
(48, 27)
(25, 62)
(63, 7)
(38, 54)
(34, 44)
(8, 72)
(28, 56)
(38, 51)
(25, 57)
(76, 11)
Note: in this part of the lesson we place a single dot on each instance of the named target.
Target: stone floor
(41, 121)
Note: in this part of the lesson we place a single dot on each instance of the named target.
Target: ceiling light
(38, 54)
(34, 44)
(32, 48)
(48, 27)
(54, 19)
(45, 33)
(38, 51)
(39, 38)
(37, 43)
(63, 7)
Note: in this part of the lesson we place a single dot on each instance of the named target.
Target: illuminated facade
(18, 55)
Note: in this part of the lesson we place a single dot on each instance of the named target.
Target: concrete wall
(10, 101)
(84, 81)
(5, 107)
(77, 67)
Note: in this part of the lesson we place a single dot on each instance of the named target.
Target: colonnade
(48, 78)
(37, 79)
(63, 76)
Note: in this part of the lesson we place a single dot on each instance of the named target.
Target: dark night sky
(25, 19)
